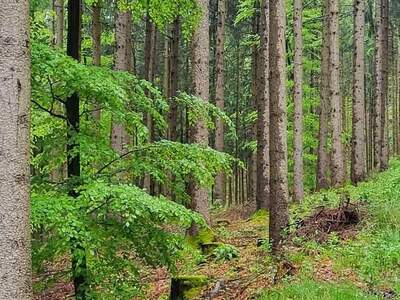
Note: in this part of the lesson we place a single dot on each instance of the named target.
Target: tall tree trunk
(385, 86)
(298, 101)
(123, 62)
(174, 80)
(219, 190)
(79, 268)
(338, 159)
(263, 192)
(96, 39)
(358, 167)
(323, 165)
(59, 23)
(279, 213)
(149, 50)
(378, 82)
(15, 251)
(201, 75)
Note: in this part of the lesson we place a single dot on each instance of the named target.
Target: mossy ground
(362, 266)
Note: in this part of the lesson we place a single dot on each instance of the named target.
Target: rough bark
(123, 62)
(200, 49)
(358, 167)
(15, 251)
(323, 165)
(59, 23)
(219, 190)
(337, 156)
(279, 214)
(263, 192)
(149, 65)
(96, 40)
(298, 101)
(384, 164)
(378, 85)
(174, 80)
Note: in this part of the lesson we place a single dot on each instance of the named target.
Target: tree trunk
(263, 192)
(200, 76)
(338, 159)
(279, 213)
(79, 268)
(298, 101)
(378, 81)
(324, 110)
(358, 167)
(59, 23)
(219, 190)
(15, 250)
(96, 38)
(174, 80)
(123, 62)
(385, 86)
(149, 50)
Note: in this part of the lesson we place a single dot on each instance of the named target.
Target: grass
(311, 290)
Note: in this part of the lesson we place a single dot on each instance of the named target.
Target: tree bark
(198, 132)
(279, 213)
(174, 79)
(59, 23)
(263, 192)
(149, 65)
(323, 165)
(378, 82)
(79, 267)
(219, 190)
(15, 250)
(96, 39)
(384, 164)
(298, 101)
(338, 159)
(358, 167)
(123, 62)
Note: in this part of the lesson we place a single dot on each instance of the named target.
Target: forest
(199, 149)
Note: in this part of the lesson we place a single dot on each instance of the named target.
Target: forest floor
(342, 244)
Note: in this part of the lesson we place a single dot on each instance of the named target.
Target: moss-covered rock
(187, 287)
(208, 248)
(205, 236)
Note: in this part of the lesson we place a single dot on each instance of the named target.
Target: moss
(190, 286)
(260, 216)
(205, 236)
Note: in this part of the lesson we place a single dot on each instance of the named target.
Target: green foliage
(116, 224)
(225, 252)
(310, 290)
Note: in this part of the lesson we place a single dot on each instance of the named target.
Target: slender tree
(323, 165)
(298, 100)
(15, 251)
(173, 79)
(384, 164)
(219, 191)
(96, 40)
(337, 159)
(378, 85)
(59, 23)
(279, 213)
(200, 49)
(79, 268)
(263, 193)
(358, 161)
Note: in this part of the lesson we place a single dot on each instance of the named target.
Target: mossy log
(187, 287)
